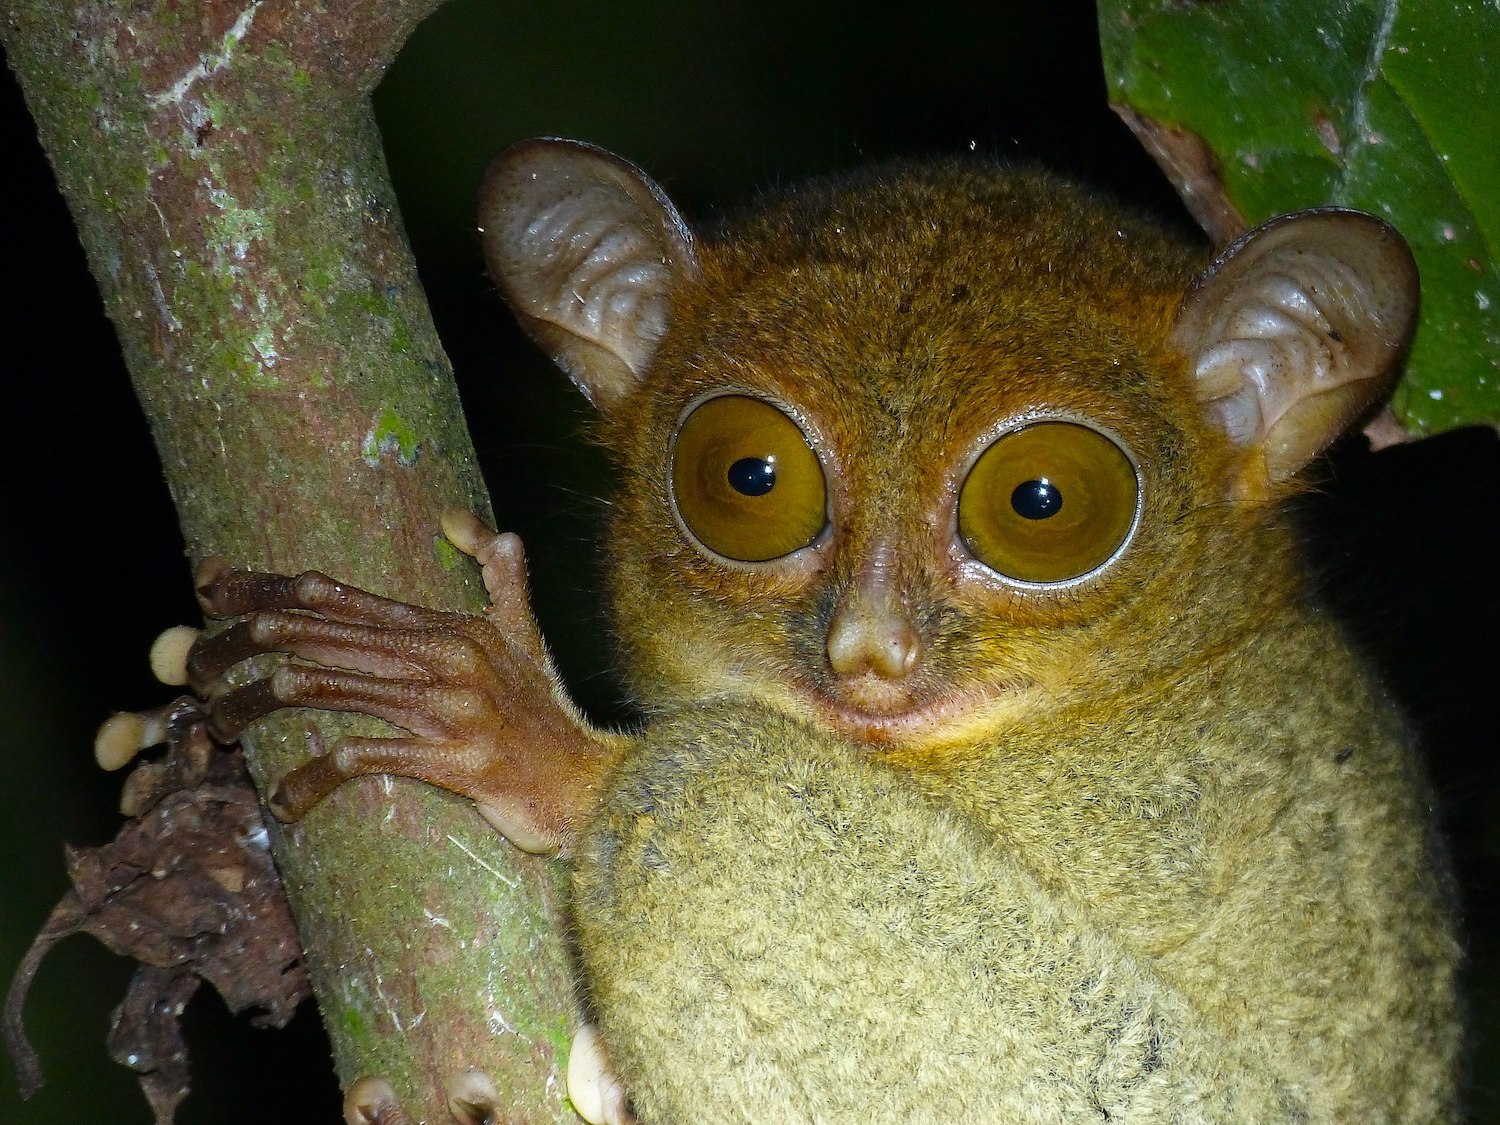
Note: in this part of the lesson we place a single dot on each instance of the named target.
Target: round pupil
(1036, 499)
(752, 476)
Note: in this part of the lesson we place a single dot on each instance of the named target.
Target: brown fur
(1185, 875)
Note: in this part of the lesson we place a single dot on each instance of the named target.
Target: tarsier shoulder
(996, 766)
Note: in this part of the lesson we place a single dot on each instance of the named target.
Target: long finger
(406, 704)
(226, 592)
(358, 648)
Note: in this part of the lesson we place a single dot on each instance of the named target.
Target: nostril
(873, 635)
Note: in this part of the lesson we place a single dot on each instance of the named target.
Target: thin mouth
(924, 721)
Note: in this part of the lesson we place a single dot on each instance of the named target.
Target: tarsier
(994, 763)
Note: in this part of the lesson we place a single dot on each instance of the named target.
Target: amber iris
(1049, 502)
(745, 480)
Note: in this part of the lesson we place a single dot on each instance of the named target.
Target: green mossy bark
(229, 187)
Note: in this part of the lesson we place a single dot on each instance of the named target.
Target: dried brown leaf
(187, 889)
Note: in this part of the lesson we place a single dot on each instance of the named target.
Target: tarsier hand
(484, 711)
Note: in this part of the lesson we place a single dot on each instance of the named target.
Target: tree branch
(224, 171)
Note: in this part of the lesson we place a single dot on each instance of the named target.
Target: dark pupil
(750, 476)
(1036, 499)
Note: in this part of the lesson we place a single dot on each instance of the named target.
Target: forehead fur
(932, 296)
(905, 214)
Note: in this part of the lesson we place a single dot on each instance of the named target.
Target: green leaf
(1390, 108)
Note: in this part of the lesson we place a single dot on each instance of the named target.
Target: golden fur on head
(904, 315)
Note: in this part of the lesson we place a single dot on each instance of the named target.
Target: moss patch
(391, 434)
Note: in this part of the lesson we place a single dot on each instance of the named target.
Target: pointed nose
(867, 636)
(872, 629)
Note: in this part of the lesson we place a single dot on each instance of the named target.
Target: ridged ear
(587, 250)
(1297, 329)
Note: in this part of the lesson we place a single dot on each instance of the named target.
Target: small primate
(994, 762)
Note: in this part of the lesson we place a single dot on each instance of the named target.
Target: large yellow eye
(746, 482)
(1049, 502)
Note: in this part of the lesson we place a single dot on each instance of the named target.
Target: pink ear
(587, 250)
(1297, 329)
